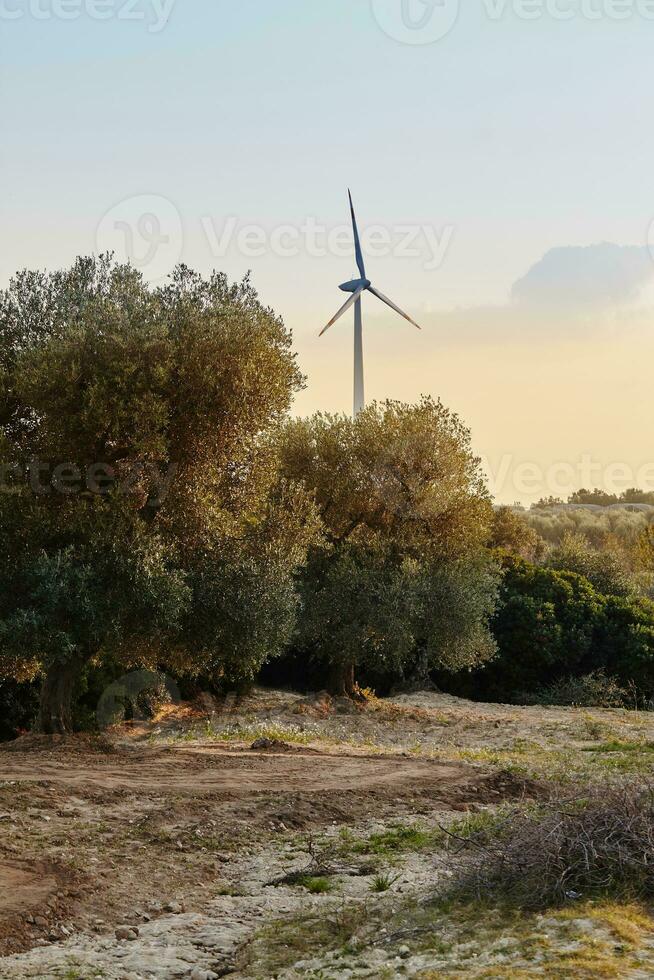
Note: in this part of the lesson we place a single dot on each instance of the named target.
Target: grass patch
(463, 940)
(396, 840)
(250, 732)
(280, 944)
(407, 838)
(316, 886)
(615, 745)
(564, 765)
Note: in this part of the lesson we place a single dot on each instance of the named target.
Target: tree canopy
(405, 517)
(134, 433)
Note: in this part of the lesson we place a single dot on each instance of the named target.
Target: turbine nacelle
(354, 285)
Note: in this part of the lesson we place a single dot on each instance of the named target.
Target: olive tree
(142, 508)
(401, 577)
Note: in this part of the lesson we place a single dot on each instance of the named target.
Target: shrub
(513, 533)
(383, 882)
(594, 690)
(317, 886)
(599, 845)
(553, 625)
(606, 569)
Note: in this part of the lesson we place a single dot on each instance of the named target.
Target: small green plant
(316, 886)
(382, 882)
(395, 840)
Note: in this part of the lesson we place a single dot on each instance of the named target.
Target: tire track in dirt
(236, 773)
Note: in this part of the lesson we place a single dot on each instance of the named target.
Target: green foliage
(553, 624)
(397, 840)
(605, 569)
(457, 600)
(360, 606)
(316, 886)
(383, 882)
(400, 579)
(406, 471)
(184, 554)
(90, 578)
(512, 533)
(243, 612)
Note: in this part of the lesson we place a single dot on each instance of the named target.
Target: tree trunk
(56, 710)
(341, 681)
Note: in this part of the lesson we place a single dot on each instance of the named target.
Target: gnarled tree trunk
(56, 710)
(341, 681)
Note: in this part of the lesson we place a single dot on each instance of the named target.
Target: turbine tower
(358, 287)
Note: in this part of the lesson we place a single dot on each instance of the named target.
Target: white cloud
(576, 279)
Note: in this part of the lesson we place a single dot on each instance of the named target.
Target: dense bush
(605, 570)
(551, 625)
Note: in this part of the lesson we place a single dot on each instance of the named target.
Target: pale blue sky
(508, 137)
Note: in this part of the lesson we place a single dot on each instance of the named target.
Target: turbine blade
(344, 308)
(392, 305)
(357, 241)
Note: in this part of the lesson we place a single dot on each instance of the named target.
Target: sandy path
(204, 770)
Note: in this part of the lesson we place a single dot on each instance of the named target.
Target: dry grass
(598, 844)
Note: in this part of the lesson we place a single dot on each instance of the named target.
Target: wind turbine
(358, 287)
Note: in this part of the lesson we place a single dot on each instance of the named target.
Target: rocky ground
(286, 836)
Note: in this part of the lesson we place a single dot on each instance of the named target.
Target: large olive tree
(141, 512)
(401, 579)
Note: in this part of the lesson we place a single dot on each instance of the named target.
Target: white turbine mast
(358, 287)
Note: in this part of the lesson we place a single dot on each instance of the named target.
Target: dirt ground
(182, 832)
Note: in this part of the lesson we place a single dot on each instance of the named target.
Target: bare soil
(178, 828)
